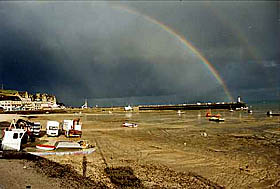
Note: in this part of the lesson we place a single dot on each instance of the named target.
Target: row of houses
(11, 100)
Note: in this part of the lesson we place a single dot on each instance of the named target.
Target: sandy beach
(166, 150)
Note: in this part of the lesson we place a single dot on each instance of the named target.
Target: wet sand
(171, 150)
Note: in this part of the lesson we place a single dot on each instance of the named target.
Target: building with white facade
(11, 100)
(10, 103)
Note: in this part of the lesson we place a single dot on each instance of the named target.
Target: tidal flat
(171, 149)
(176, 150)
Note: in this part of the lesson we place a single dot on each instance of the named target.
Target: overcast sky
(115, 53)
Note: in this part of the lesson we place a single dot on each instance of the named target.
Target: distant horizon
(151, 100)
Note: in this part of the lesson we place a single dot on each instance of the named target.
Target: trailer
(35, 129)
(32, 129)
(72, 128)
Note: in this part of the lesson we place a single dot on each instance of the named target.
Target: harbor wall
(233, 105)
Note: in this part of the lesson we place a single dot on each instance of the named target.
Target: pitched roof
(9, 97)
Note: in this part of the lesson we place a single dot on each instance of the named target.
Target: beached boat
(45, 147)
(64, 145)
(216, 119)
(130, 125)
(67, 145)
(269, 113)
(76, 152)
(128, 108)
(212, 115)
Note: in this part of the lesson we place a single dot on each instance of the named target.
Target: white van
(52, 128)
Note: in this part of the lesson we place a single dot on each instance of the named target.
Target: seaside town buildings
(11, 100)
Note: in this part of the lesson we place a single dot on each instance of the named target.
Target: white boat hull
(78, 152)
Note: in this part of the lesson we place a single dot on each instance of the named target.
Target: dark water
(263, 107)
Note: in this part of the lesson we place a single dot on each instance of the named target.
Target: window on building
(15, 136)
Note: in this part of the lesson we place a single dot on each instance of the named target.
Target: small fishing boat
(212, 115)
(216, 119)
(130, 125)
(45, 147)
(269, 113)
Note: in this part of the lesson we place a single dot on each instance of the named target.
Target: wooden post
(84, 166)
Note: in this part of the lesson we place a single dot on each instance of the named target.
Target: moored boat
(212, 115)
(216, 119)
(269, 113)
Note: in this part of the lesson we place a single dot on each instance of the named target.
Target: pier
(198, 106)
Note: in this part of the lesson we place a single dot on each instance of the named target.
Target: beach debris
(204, 134)
(130, 125)
(244, 169)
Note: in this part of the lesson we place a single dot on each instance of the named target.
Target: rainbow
(183, 40)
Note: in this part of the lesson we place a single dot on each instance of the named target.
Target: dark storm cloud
(80, 50)
(241, 39)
